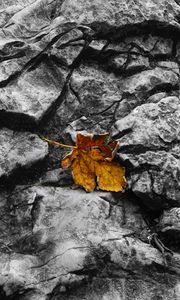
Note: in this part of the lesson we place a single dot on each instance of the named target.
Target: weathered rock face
(152, 147)
(19, 149)
(93, 66)
(63, 237)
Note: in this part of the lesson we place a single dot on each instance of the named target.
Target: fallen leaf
(91, 162)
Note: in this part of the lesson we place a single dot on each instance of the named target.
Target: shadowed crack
(60, 99)
(9, 57)
(58, 255)
(24, 175)
(140, 149)
(11, 78)
(112, 33)
(177, 1)
(59, 276)
(137, 149)
(164, 87)
(35, 61)
(17, 121)
(22, 121)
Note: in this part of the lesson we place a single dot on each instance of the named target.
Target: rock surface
(152, 146)
(61, 236)
(92, 66)
(19, 149)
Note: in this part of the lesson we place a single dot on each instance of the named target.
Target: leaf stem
(57, 143)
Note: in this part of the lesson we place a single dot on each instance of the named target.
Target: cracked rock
(136, 63)
(138, 87)
(7, 12)
(152, 45)
(95, 89)
(147, 81)
(69, 46)
(153, 125)
(152, 143)
(115, 13)
(59, 234)
(91, 66)
(32, 93)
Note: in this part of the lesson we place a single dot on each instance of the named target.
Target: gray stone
(73, 44)
(89, 66)
(156, 97)
(170, 222)
(95, 88)
(145, 82)
(169, 65)
(178, 50)
(152, 142)
(9, 3)
(69, 231)
(10, 67)
(134, 63)
(153, 125)
(57, 177)
(151, 44)
(32, 93)
(115, 13)
(7, 12)
(30, 19)
(97, 45)
(19, 149)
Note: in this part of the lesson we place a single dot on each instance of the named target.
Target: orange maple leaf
(91, 162)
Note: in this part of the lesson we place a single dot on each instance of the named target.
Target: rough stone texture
(90, 66)
(115, 13)
(33, 93)
(170, 222)
(152, 146)
(61, 236)
(19, 149)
